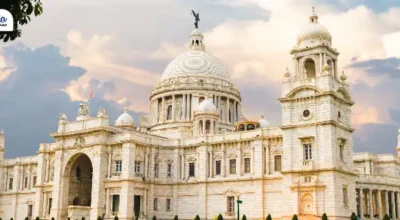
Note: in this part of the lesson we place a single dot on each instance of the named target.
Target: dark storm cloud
(31, 100)
(385, 96)
(379, 67)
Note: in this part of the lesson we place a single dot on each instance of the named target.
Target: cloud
(34, 100)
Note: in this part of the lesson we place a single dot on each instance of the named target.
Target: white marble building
(195, 153)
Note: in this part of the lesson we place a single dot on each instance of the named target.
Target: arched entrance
(77, 181)
(307, 204)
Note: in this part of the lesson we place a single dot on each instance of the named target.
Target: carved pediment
(231, 192)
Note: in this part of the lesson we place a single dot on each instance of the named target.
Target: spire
(125, 109)
(314, 16)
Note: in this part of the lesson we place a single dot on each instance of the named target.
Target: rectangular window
(50, 200)
(247, 165)
(341, 153)
(168, 208)
(118, 166)
(155, 204)
(156, 170)
(34, 180)
(307, 152)
(231, 205)
(30, 208)
(137, 166)
(232, 166)
(217, 167)
(191, 169)
(115, 203)
(26, 182)
(10, 184)
(278, 163)
(345, 196)
(169, 170)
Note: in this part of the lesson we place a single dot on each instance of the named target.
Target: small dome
(263, 122)
(206, 106)
(314, 33)
(125, 119)
(196, 32)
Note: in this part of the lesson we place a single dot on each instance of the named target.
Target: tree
(116, 218)
(244, 217)
(37, 218)
(197, 217)
(294, 217)
(26, 218)
(353, 216)
(324, 217)
(154, 218)
(83, 218)
(269, 217)
(386, 217)
(52, 218)
(220, 217)
(176, 217)
(21, 11)
(99, 218)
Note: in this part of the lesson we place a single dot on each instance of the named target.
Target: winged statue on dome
(197, 19)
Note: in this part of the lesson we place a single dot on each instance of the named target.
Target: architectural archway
(309, 66)
(77, 187)
(307, 204)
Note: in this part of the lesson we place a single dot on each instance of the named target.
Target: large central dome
(195, 62)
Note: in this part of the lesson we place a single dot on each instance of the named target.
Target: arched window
(200, 127)
(309, 67)
(201, 99)
(169, 112)
(208, 126)
(78, 173)
(330, 64)
(241, 127)
(197, 42)
(230, 116)
(201, 82)
(250, 127)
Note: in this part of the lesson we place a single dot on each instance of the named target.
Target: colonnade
(375, 203)
(229, 114)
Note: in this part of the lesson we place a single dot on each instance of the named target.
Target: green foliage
(26, 218)
(37, 218)
(52, 218)
(176, 217)
(386, 217)
(116, 218)
(244, 217)
(11, 218)
(294, 217)
(220, 217)
(353, 216)
(99, 218)
(269, 217)
(21, 11)
(197, 217)
(154, 218)
(83, 218)
(324, 217)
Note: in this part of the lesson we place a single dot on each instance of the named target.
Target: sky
(119, 49)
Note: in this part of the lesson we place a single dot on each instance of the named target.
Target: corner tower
(316, 124)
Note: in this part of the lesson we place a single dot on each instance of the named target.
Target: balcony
(307, 165)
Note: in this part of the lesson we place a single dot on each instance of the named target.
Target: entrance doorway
(307, 204)
(136, 205)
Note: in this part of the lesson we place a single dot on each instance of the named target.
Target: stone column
(188, 107)
(223, 166)
(163, 109)
(184, 106)
(47, 168)
(371, 207)
(173, 107)
(107, 211)
(393, 206)
(234, 111)
(387, 202)
(204, 126)
(252, 160)
(361, 204)
(183, 166)
(320, 64)
(227, 110)
(176, 165)
(109, 162)
(145, 160)
(398, 205)
(127, 187)
(157, 117)
(211, 163)
(378, 194)
(239, 160)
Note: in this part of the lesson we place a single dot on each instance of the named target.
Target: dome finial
(125, 109)
(314, 16)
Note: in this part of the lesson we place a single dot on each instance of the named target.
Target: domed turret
(314, 33)
(263, 122)
(205, 118)
(206, 106)
(125, 120)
